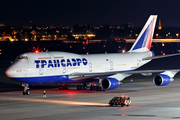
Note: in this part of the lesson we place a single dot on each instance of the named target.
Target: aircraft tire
(97, 88)
(60, 87)
(100, 88)
(93, 88)
(24, 92)
(84, 87)
(79, 87)
(27, 92)
(66, 87)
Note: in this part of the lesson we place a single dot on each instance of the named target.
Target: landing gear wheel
(92, 87)
(79, 87)
(84, 87)
(111, 104)
(97, 88)
(60, 87)
(26, 89)
(100, 88)
(24, 92)
(63, 87)
(27, 92)
(66, 87)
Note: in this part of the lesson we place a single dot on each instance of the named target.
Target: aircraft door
(111, 65)
(138, 63)
(64, 69)
(90, 67)
(40, 70)
(63, 64)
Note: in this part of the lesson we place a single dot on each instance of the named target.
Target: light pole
(177, 35)
(157, 35)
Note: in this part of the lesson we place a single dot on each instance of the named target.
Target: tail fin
(143, 41)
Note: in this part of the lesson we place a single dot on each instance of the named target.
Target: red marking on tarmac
(72, 91)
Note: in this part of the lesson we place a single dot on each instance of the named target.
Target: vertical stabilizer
(143, 41)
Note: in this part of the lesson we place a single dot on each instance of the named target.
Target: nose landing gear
(26, 89)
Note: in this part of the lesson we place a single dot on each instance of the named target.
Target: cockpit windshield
(22, 57)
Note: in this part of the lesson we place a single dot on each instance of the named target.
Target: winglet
(144, 40)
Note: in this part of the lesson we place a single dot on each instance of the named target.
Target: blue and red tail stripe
(151, 35)
(144, 40)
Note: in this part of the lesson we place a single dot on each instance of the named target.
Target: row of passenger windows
(22, 57)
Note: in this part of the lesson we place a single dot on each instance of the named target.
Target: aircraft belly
(43, 79)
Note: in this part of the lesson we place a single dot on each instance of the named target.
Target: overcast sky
(96, 12)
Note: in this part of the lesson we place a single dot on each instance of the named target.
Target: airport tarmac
(148, 102)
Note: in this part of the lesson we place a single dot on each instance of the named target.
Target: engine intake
(162, 80)
(110, 83)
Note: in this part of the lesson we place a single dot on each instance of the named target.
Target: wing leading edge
(160, 56)
(105, 74)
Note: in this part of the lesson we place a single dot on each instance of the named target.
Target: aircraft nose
(9, 72)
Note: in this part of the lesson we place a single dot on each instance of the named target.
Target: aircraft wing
(81, 76)
(160, 56)
(105, 74)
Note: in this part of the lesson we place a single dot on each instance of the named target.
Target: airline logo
(145, 37)
(61, 63)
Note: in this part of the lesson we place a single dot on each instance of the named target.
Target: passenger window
(22, 57)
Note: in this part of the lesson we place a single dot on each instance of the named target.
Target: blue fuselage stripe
(44, 79)
(51, 79)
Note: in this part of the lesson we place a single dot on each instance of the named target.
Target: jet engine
(162, 80)
(110, 83)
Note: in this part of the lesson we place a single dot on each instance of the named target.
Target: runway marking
(53, 101)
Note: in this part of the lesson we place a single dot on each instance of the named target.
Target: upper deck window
(22, 57)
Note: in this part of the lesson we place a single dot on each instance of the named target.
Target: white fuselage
(56, 65)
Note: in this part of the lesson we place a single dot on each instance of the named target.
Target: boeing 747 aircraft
(106, 69)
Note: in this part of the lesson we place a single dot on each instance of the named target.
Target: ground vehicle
(120, 100)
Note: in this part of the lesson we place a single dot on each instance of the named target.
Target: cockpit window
(22, 57)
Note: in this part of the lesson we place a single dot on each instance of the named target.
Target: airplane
(106, 70)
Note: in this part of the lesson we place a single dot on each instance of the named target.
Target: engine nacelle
(110, 83)
(162, 79)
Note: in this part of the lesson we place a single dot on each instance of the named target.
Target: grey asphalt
(148, 102)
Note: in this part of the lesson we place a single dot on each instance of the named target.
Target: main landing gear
(26, 89)
(82, 86)
(91, 86)
(63, 87)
